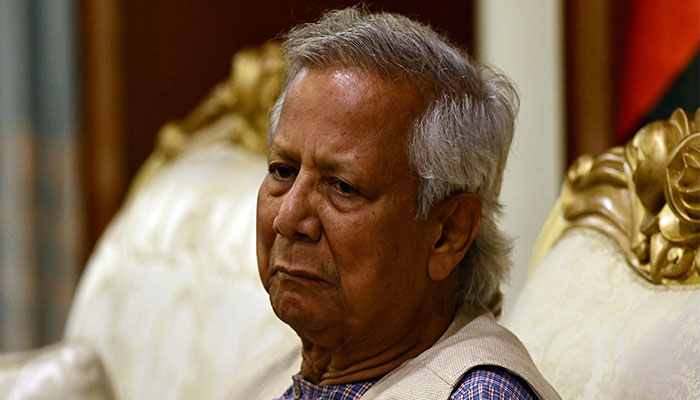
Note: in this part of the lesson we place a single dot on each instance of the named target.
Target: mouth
(299, 273)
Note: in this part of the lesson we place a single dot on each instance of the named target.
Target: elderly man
(376, 229)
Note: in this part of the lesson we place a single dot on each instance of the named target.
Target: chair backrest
(612, 307)
(171, 298)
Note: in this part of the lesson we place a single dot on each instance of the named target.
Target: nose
(296, 218)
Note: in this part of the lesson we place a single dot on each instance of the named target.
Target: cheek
(378, 247)
(265, 234)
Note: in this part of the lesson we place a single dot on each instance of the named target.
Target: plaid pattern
(492, 383)
(482, 383)
(303, 389)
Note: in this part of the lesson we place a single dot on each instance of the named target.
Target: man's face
(339, 248)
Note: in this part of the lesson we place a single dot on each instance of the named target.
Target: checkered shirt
(481, 383)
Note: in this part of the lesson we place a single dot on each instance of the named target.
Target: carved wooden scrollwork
(235, 111)
(646, 197)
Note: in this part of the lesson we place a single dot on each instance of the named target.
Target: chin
(303, 315)
(291, 309)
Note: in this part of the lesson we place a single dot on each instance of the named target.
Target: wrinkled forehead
(344, 116)
(364, 95)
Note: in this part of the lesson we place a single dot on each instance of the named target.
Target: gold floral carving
(645, 195)
(235, 111)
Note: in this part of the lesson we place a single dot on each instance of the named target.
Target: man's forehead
(366, 97)
(353, 85)
(352, 81)
(336, 149)
(323, 159)
(347, 119)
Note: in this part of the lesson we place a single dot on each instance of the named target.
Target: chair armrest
(65, 370)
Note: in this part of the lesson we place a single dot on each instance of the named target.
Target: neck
(363, 360)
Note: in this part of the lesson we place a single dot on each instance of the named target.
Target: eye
(342, 186)
(281, 171)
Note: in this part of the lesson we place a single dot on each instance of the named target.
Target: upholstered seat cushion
(597, 330)
(171, 298)
(63, 371)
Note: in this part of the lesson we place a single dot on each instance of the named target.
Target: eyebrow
(284, 153)
(335, 166)
(321, 161)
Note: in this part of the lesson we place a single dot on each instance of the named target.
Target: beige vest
(474, 338)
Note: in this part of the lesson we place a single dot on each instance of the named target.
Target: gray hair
(459, 144)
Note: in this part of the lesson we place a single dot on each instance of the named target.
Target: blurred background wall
(86, 85)
(525, 40)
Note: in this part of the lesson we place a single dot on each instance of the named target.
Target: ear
(459, 218)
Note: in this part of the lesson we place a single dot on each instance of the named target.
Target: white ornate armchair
(612, 305)
(170, 306)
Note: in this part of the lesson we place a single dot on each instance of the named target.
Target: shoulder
(492, 383)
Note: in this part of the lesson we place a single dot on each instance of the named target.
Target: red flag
(662, 40)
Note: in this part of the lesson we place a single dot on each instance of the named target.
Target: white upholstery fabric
(598, 331)
(63, 371)
(171, 298)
